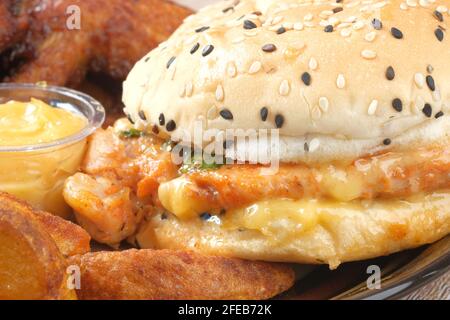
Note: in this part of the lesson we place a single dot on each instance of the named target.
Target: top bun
(358, 74)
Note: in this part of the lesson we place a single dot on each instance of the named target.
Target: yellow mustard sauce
(38, 176)
(35, 122)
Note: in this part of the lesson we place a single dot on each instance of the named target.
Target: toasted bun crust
(342, 233)
(349, 98)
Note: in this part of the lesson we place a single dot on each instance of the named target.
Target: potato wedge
(31, 265)
(70, 238)
(165, 274)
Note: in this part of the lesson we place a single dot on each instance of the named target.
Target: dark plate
(401, 274)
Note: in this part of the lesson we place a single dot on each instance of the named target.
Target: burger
(356, 96)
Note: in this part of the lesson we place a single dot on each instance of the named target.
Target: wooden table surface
(436, 290)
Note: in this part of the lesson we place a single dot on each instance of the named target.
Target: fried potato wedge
(70, 238)
(31, 265)
(176, 275)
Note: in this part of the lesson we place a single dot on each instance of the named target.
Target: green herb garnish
(131, 133)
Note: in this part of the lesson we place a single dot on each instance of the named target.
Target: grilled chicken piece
(113, 36)
(124, 179)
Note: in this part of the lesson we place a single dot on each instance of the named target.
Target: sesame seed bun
(353, 76)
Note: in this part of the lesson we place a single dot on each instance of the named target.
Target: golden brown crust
(31, 266)
(113, 35)
(70, 238)
(164, 274)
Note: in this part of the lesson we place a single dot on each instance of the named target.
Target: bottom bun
(340, 232)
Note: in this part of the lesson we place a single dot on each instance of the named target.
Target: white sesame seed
(327, 13)
(231, 70)
(255, 67)
(298, 26)
(313, 64)
(340, 81)
(352, 4)
(372, 107)
(379, 5)
(346, 32)
(424, 3)
(308, 17)
(370, 36)
(442, 9)
(288, 25)
(277, 19)
(314, 145)
(350, 19)
(403, 6)
(358, 25)
(251, 33)
(419, 79)
(316, 113)
(368, 54)
(324, 104)
(323, 23)
(343, 25)
(285, 88)
(411, 3)
(219, 93)
(333, 21)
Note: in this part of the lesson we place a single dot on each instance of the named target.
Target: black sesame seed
(306, 147)
(439, 34)
(397, 104)
(169, 63)
(142, 115)
(279, 121)
(387, 141)
(306, 78)
(328, 28)
(164, 216)
(438, 16)
(171, 125)
(427, 110)
(339, 1)
(281, 30)
(228, 9)
(430, 83)
(396, 33)
(162, 119)
(390, 73)
(226, 114)
(264, 113)
(202, 29)
(269, 47)
(207, 50)
(130, 118)
(249, 25)
(338, 9)
(439, 114)
(195, 48)
(147, 59)
(377, 24)
(430, 68)
(205, 216)
(155, 129)
(257, 13)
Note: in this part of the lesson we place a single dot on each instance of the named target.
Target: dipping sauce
(37, 175)
(35, 122)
